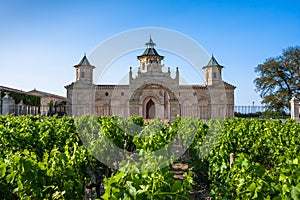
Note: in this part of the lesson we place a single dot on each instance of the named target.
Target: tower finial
(150, 44)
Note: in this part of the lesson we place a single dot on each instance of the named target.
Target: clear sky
(41, 41)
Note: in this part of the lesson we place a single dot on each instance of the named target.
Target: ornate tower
(213, 72)
(153, 92)
(84, 71)
(150, 60)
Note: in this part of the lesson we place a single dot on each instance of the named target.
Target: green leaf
(20, 184)
(252, 187)
(245, 163)
(285, 188)
(295, 193)
(144, 188)
(26, 152)
(176, 186)
(11, 177)
(2, 169)
(105, 196)
(282, 177)
(295, 161)
(131, 189)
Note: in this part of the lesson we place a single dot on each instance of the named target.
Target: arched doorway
(150, 109)
(165, 104)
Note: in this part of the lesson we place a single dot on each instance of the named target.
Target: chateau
(153, 93)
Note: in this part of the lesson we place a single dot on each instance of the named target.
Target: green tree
(279, 78)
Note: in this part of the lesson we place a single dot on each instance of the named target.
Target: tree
(279, 79)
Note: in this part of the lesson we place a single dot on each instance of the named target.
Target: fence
(36, 110)
(203, 112)
(23, 110)
(249, 109)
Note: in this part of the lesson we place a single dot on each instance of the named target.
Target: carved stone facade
(152, 93)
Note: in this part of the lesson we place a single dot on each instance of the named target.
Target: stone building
(34, 102)
(17, 102)
(152, 93)
(50, 103)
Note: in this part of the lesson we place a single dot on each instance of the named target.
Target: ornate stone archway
(164, 103)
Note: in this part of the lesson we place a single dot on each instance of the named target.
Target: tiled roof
(84, 62)
(213, 62)
(150, 50)
(4, 88)
(39, 93)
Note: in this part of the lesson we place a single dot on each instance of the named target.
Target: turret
(150, 60)
(84, 71)
(213, 72)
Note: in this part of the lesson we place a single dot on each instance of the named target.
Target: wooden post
(231, 159)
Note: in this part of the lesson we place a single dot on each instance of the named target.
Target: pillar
(6, 103)
(294, 108)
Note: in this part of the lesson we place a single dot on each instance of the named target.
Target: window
(122, 93)
(106, 93)
(82, 74)
(214, 75)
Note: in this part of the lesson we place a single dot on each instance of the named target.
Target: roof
(84, 62)
(4, 88)
(213, 62)
(33, 92)
(44, 94)
(197, 86)
(150, 50)
(204, 86)
(228, 85)
(112, 86)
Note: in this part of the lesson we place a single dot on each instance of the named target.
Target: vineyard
(59, 158)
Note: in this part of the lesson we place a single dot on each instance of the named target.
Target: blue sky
(41, 41)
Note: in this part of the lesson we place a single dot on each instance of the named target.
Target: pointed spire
(150, 44)
(150, 50)
(213, 62)
(84, 61)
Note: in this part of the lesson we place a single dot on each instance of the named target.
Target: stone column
(174, 109)
(5, 103)
(20, 108)
(294, 108)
